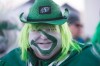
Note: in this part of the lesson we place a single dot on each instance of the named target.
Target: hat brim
(55, 22)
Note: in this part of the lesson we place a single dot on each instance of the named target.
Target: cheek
(12, 35)
(33, 36)
(73, 29)
(57, 35)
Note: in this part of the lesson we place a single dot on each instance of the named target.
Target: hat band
(46, 19)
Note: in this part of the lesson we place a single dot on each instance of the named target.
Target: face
(45, 42)
(76, 29)
(7, 39)
(3, 42)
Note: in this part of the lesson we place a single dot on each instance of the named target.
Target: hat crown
(44, 9)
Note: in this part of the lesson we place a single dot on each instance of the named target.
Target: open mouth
(44, 46)
(44, 43)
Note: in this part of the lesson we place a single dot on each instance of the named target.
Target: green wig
(67, 43)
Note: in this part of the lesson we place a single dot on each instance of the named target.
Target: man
(45, 40)
(7, 30)
(8, 38)
(75, 27)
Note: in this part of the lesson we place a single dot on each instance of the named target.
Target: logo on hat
(44, 9)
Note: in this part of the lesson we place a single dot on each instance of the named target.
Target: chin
(46, 57)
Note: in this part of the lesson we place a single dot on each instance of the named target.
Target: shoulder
(12, 58)
(12, 54)
(86, 57)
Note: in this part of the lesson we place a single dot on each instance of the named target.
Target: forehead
(42, 26)
(76, 23)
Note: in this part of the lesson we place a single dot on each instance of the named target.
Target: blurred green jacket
(87, 57)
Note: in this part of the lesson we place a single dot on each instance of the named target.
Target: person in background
(45, 40)
(76, 27)
(8, 33)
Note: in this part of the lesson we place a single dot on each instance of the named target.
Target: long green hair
(67, 43)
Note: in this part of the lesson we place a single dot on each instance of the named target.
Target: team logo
(45, 10)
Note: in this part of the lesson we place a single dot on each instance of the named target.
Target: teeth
(44, 43)
(45, 46)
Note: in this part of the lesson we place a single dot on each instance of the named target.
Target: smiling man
(45, 40)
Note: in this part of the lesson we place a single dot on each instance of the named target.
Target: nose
(44, 37)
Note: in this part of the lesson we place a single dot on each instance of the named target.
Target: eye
(47, 30)
(50, 30)
(53, 29)
(34, 30)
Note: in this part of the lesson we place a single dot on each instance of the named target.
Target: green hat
(45, 11)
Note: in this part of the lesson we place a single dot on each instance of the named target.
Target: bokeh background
(89, 11)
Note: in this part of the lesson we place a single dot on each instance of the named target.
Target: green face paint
(53, 39)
